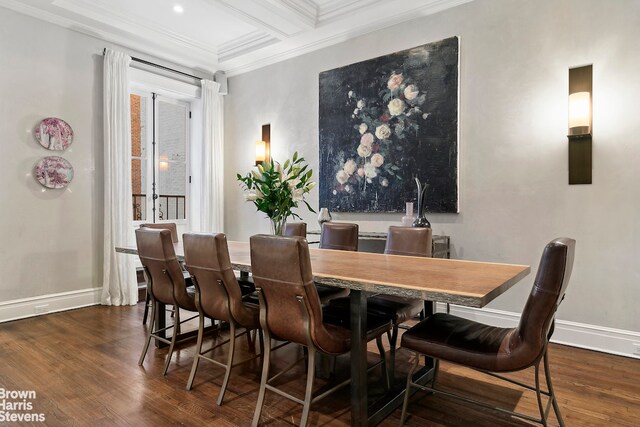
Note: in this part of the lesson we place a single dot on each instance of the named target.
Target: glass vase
(278, 225)
(324, 216)
(407, 219)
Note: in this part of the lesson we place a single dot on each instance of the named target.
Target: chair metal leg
(173, 339)
(407, 392)
(385, 369)
(196, 359)
(149, 332)
(543, 418)
(552, 394)
(263, 381)
(436, 371)
(227, 374)
(311, 367)
(147, 299)
(392, 353)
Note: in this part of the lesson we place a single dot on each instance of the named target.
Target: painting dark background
(431, 153)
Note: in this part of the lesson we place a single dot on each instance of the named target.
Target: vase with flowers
(277, 189)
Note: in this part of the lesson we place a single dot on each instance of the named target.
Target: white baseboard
(45, 304)
(598, 338)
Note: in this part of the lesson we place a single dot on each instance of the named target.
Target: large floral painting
(385, 121)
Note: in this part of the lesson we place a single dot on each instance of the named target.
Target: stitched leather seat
(489, 348)
(166, 280)
(291, 308)
(219, 295)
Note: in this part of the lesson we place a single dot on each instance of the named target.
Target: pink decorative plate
(53, 172)
(54, 134)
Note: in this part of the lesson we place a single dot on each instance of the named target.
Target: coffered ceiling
(229, 35)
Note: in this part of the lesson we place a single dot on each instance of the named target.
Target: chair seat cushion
(377, 324)
(398, 308)
(462, 341)
(327, 293)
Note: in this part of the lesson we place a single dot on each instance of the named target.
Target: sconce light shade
(261, 151)
(263, 146)
(580, 113)
(580, 124)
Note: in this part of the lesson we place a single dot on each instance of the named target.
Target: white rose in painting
(366, 139)
(425, 115)
(360, 104)
(363, 128)
(396, 107)
(364, 151)
(411, 91)
(383, 131)
(385, 182)
(253, 195)
(360, 172)
(356, 112)
(350, 166)
(395, 81)
(377, 160)
(370, 171)
(350, 94)
(342, 177)
(297, 195)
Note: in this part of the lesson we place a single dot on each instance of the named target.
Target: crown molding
(342, 36)
(99, 13)
(186, 57)
(336, 8)
(247, 43)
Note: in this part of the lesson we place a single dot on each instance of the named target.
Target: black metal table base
(361, 413)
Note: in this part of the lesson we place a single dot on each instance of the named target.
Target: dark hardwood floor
(83, 366)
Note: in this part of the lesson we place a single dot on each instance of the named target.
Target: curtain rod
(152, 64)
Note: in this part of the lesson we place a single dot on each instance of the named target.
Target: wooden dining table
(466, 283)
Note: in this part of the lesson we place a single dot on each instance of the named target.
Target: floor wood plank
(83, 366)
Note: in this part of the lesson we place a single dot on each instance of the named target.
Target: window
(159, 157)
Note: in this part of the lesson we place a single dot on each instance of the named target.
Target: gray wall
(51, 239)
(514, 196)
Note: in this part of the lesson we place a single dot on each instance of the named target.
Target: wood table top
(468, 283)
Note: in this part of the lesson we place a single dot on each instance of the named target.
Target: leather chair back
(171, 226)
(281, 269)
(339, 236)
(157, 255)
(206, 257)
(299, 229)
(549, 287)
(409, 241)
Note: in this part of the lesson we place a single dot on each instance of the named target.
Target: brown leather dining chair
(218, 296)
(341, 237)
(290, 309)
(405, 241)
(165, 284)
(292, 229)
(494, 350)
(173, 229)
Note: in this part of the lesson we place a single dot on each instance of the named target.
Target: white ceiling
(234, 36)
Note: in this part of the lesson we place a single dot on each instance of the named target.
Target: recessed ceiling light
(178, 9)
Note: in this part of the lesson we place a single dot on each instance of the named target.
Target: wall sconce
(263, 147)
(580, 124)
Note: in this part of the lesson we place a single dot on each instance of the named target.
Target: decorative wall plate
(53, 172)
(54, 134)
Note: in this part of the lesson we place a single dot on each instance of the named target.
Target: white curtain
(119, 277)
(212, 208)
